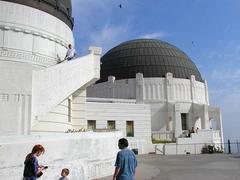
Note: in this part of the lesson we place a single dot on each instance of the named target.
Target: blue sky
(207, 30)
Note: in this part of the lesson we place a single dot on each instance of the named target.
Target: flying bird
(120, 5)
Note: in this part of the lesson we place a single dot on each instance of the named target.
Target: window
(184, 121)
(130, 129)
(111, 125)
(91, 124)
(69, 110)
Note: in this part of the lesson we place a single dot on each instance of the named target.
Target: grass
(160, 141)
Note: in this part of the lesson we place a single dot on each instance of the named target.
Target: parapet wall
(88, 155)
(153, 90)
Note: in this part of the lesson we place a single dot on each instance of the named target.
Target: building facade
(40, 98)
(158, 74)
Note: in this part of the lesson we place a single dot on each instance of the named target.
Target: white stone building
(147, 89)
(41, 99)
(158, 74)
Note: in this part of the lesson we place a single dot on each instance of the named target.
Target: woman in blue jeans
(31, 167)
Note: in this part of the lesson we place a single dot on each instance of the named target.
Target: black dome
(152, 57)
(62, 9)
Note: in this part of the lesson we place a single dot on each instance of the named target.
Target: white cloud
(96, 24)
(108, 36)
(232, 75)
(155, 35)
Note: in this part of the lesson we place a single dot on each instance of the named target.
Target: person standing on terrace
(71, 53)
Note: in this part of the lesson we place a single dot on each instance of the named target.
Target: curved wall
(31, 36)
(30, 40)
(155, 90)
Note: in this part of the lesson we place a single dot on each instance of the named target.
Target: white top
(70, 53)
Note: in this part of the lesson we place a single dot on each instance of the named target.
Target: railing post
(237, 147)
(229, 147)
(195, 149)
(176, 149)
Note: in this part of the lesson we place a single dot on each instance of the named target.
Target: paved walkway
(187, 167)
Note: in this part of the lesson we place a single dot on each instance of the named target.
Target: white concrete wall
(79, 109)
(202, 136)
(15, 97)
(54, 84)
(215, 114)
(88, 155)
(120, 113)
(159, 116)
(120, 89)
(30, 40)
(155, 90)
(43, 104)
(58, 120)
(162, 94)
(180, 149)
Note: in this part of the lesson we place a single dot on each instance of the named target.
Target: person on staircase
(71, 53)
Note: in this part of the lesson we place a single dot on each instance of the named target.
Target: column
(139, 88)
(192, 88)
(178, 123)
(169, 86)
(111, 81)
(219, 122)
(206, 92)
(205, 120)
(170, 117)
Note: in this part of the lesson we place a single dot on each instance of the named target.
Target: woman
(31, 168)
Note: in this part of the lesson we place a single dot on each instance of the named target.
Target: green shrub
(160, 141)
(209, 149)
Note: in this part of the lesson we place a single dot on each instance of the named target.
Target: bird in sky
(120, 5)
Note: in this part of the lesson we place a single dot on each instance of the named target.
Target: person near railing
(71, 53)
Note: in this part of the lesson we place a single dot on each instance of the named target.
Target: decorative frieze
(101, 168)
(4, 97)
(26, 57)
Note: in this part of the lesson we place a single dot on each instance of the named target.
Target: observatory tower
(36, 93)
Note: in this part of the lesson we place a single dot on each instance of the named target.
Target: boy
(64, 174)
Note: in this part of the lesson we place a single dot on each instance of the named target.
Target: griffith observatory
(142, 89)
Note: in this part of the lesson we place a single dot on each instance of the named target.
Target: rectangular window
(91, 124)
(111, 125)
(130, 129)
(184, 121)
(69, 110)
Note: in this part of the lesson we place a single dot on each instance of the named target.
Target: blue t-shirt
(127, 162)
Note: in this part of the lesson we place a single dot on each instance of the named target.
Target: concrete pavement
(187, 167)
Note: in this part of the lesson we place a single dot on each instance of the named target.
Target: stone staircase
(52, 85)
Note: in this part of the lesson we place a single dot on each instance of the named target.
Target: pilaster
(169, 87)
(178, 123)
(139, 88)
(192, 88)
(206, 92)
(111, 81)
